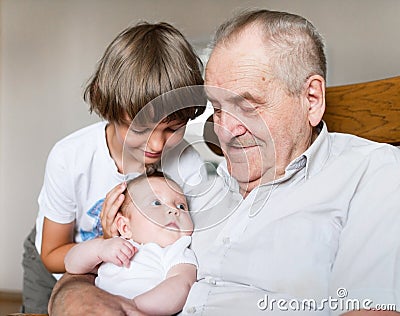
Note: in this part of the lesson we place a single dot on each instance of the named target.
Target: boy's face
(159, 212)
(145, 144)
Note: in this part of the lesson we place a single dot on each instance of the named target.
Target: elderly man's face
(261, 128)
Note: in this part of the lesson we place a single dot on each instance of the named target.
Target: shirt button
(191, 310)
(226, 240)
(211, 280)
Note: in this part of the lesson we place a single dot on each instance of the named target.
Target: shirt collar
(314, 158)
(231, 182)
(318, 153)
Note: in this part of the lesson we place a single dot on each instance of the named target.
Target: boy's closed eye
(140, 131)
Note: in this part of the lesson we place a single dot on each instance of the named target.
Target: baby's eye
(181, 206)
(156, 203)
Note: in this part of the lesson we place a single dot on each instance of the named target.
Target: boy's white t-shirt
(148, 268)
(80, 172)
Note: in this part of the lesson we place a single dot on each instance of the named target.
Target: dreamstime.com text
(339, 303)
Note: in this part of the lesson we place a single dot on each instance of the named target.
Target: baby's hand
(118, 251)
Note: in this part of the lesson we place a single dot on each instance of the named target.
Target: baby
(151, 262)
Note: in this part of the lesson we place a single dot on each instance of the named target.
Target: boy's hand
(117, 251)
(111, 205)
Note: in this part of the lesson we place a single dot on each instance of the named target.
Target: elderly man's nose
(228, 125)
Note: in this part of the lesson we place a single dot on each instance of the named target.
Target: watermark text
(339, 303)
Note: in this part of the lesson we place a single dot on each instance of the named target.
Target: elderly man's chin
(250, 164)
(250, 172)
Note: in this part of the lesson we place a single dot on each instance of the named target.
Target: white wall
(48, 50)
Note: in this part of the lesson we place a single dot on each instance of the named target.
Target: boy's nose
(156, 142)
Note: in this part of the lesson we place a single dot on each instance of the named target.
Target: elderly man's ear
(123, 226)
(315, 95)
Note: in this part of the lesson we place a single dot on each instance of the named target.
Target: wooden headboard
(370, 110)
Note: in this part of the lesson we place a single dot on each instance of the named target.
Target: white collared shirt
(284, 238)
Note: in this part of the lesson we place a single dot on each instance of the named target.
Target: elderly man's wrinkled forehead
(239, 67)
(243, 48)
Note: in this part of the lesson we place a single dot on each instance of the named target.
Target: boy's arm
(86, 256)
(57, 239)
(169, 296)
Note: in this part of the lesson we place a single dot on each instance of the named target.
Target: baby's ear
(123, 226)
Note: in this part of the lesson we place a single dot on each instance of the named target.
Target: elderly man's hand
(76, 295)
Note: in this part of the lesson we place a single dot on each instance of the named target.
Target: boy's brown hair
(143, 62)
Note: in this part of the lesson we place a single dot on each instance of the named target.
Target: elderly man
(299, 220)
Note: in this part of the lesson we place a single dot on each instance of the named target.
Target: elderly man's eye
(156, 203)
(181, 206)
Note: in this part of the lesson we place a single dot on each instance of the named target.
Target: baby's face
(159, 212)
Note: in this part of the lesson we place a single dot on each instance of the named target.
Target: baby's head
(154, 210)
